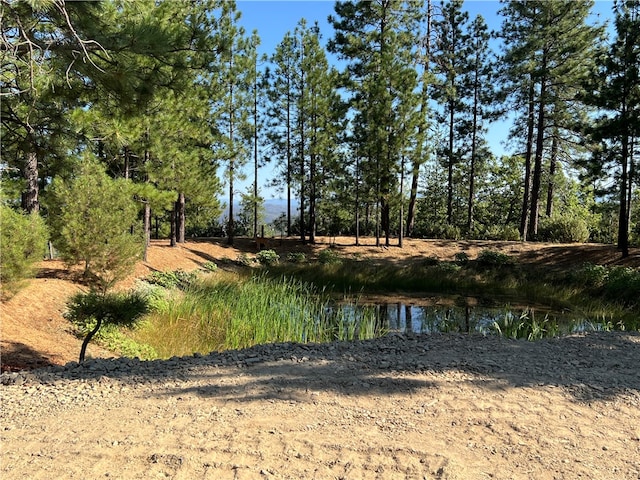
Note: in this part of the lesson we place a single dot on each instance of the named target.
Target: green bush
(493, 258)
(23, 240)
(91, 216)
(268, 257)
(623, 283)
(210, 266)
(444, 231)
(502, 232)
(590, 275)
(180, 279)
(244, 260)
(296, 257)
(461, 258)
(563, 229)
(431, 261)
(329, 257)
(112, 311)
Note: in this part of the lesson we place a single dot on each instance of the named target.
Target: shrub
(623, 283)
(444, 231)
(590, 275)
(210, 266)
(89, 311)
(268, 257)
(172, 279)
(461, 258)
(431, 261)
(502, 232)
(448, 267)
(563, 229)
(328, 257)
(296, 257)
(493, 258)
(244, 260)
(23, 241)
(157, 297)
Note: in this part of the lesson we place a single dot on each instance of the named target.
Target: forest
(144, 116)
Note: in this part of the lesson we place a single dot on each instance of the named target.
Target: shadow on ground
(599, 365)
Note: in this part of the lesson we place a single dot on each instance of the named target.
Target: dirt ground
(463, 407)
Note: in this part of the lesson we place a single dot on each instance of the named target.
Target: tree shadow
(17, 356)
(599, 365)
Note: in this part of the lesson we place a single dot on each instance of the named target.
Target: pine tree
(549, 50)
(378, 39)
(282, 94)
(233, 108)
(614, 88)
(452, 67)
(479, 84)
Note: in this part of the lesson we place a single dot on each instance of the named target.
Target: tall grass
(234, 312)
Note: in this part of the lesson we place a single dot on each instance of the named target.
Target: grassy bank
(230, 311)
(295, 300)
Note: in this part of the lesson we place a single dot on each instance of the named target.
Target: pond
(448, 315)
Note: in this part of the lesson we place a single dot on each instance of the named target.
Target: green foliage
(563, 229)
(590, 275)
(115, 310)
(22, 243)
(179, 279)
(267, 257)
(237, 313)
(329, 257)
(431, 261)
(623, 283)
(502, 232)
(296, 257)
(244, 260)
(91, 218)
(210, 266)
(461, 258)
(493, 258)
(157, 297)
(122, 309)
(526, 327)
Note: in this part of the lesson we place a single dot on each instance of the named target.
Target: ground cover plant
(596, 292)
(230, 311)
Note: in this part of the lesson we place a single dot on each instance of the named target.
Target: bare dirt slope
(446, 406)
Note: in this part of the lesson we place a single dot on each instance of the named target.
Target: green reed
(230, 313)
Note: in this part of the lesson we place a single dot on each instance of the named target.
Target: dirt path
(403, 407)
(444, 406)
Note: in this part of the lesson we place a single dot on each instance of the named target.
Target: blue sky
(274, 18)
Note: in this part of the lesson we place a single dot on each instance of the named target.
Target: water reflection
(515, 322)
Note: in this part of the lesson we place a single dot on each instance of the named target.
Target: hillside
(34, 333)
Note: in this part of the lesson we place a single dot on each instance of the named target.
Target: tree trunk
(552, 172)
(289, 166)
(357, 199)
(401, 217)
(147, 228)
(85, 343)
(180, 218)
(230, 220)
(172, 234)
(450, 167)
(30, 200)
(623, 221)
(526, 196)
(474, 150)
(537, 166)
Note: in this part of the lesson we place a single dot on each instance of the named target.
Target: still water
(517, 322)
